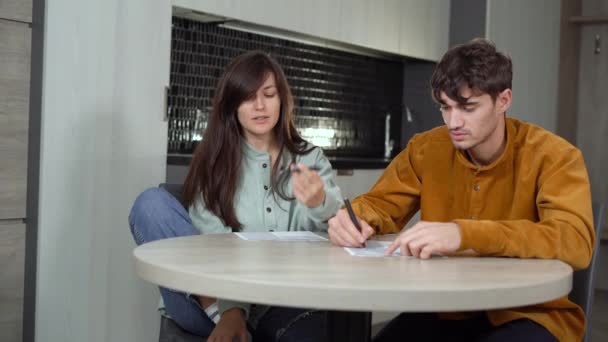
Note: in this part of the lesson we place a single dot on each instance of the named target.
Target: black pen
(311, 168)
(353, 218)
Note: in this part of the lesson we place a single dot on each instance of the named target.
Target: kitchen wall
(327, 86)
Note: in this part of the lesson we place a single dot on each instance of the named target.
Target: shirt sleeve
(395, 197)
(204, 220)
(225, 305)
(564, 230)
(333, 197)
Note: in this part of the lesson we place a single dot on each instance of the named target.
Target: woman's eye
(270, 95)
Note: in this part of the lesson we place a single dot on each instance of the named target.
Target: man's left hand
(427, 238)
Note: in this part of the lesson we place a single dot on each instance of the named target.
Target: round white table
(318, 275)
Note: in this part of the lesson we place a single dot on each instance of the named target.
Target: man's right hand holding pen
(343, 232)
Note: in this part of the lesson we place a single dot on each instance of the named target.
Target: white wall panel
(102, 142)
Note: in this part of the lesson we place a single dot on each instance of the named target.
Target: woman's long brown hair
(216, 162)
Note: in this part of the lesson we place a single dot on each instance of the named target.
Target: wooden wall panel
(20, 10)
(15, 41)
(12, 253)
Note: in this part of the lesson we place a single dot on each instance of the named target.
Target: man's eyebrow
(470, 103)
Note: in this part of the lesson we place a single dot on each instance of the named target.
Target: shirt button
(265, 187)
(268, 209)
(264, 165)
(476, 187)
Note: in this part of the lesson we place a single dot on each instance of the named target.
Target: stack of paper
(372, 249)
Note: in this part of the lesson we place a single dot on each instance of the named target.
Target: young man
(484, 183)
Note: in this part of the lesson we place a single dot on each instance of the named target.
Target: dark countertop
(338, 163)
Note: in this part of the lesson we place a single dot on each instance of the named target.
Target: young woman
(252, 172)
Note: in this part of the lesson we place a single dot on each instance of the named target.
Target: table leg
(346, 326)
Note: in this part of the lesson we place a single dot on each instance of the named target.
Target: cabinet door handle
(13, 221)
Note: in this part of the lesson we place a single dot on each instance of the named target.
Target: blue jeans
(156, 215)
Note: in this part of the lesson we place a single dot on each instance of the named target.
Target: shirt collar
(252, 153)
(506, 154)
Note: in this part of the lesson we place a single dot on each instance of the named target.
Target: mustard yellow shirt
(534, 201)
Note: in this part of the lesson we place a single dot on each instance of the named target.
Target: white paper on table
(281, 236)
(372, 249)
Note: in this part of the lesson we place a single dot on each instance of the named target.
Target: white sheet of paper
(256, 236)
(281, 236)
(372, 249)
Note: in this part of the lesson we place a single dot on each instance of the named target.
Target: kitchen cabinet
(414, 28)
(424, 28)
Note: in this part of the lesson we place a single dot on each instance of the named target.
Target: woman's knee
(148, 202)
(142, 209)
(153, 212)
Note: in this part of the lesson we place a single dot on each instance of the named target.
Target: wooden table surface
(318, 275)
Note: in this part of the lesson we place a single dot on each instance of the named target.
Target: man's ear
(503, 100)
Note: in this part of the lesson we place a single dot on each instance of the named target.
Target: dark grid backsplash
(341, 99)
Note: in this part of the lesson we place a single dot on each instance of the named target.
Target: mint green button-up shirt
(259, 210)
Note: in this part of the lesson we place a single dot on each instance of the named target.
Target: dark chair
(169, 330)
(583, 283)
(173, 189)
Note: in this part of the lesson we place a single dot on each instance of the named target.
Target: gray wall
(592, 136)
(529, 32)
(467, 20)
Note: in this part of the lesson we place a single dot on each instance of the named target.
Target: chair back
(175, 190)
(583, 283)
(171, 332)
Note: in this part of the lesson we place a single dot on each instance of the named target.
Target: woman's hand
(231, 327)
(308, 187)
